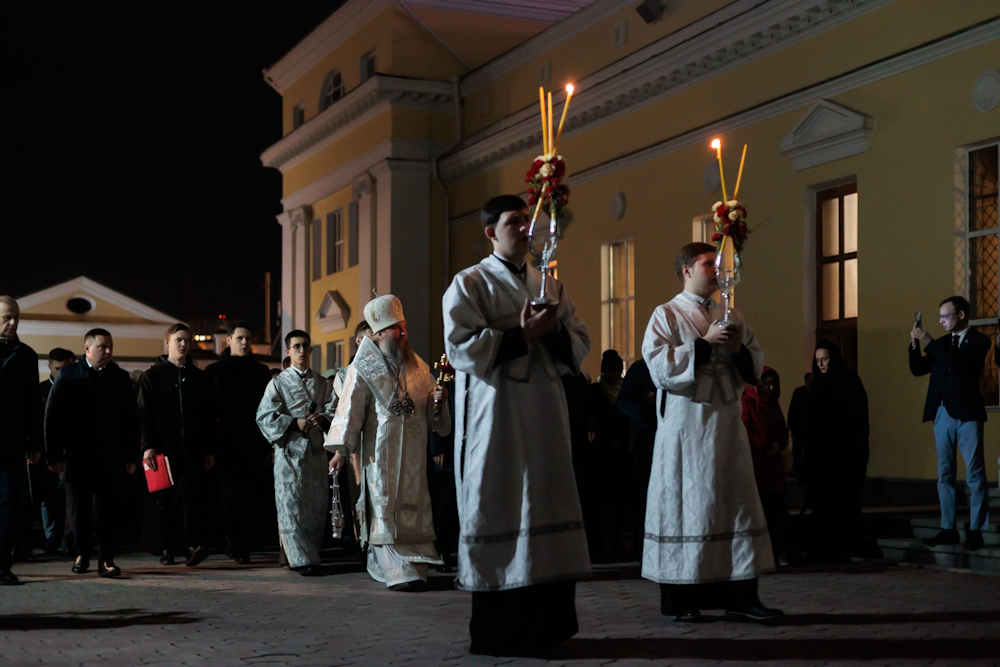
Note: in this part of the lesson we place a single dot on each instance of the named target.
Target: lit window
(983, 251)
(333, 89)
(618, 299)
(837, 268)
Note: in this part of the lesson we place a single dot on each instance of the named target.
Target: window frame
(609, 300)
(330, 94)
(335, 241)
(840, 258)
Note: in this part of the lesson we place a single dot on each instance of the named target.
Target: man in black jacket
(91, 433)
(20, 424)
(954, 403)
(637, 399)
(242, 452)
(179, 410)
(54, 504)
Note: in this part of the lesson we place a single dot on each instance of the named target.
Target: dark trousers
(234, 496)
(10, 482)
(836, 518)
(95, 508)
(776, 515)
(730, 595)
(444, 504)
(523, 621)
(180, 520)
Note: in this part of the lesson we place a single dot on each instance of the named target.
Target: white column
(300, 218)
(403, 242)
(287, 271)
(362, 191)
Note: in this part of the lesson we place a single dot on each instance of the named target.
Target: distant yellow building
(59, 316)
(871, 174)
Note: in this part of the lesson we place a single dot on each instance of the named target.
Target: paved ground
(223, 615)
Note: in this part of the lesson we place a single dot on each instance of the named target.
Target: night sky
(132, 141)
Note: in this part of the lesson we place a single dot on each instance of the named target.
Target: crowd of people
(524, 468)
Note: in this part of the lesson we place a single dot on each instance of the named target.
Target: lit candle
(562, 121)
(739, 176)
(551, 137)
(717, 145)
(545, 134)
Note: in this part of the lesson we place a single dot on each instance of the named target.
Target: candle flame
(569, 88)
(716, 144)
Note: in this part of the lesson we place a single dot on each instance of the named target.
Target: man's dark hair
(286, 362)
(961, 305)
(174, 328)
(238, 324)
(61, 354)
(94, 333)
(688, 254)
(297, 333)
(494, 208)
(362, 326)
(611, 361)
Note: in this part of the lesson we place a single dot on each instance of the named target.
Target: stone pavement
(223, 615)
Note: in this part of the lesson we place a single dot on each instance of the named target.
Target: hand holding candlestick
(445, 374)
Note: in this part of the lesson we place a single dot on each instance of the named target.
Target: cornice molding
(359, 106)
(328, 35)
(675, 64)
(547, 12)
(95, 289)
(903, 62)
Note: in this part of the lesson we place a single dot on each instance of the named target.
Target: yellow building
(59, 316)
(870, 178)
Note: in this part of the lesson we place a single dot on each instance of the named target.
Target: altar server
(293, 415)
(386, 409)
(522, 543)
(706, 538)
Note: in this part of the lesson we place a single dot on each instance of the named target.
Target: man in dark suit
(954, 403)
(92, 434)
(53, 503)
(20, 415)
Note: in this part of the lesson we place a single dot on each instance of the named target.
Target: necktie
(954, 352)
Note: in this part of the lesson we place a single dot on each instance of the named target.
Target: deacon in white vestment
(522, 543)
(706, 538)
(386, 409)
(297, 406)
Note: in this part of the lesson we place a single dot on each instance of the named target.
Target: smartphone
(919, 320)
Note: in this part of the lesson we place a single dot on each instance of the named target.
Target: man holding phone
(955, 405)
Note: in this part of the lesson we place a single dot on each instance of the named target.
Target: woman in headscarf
(837, 458)
(768, 435)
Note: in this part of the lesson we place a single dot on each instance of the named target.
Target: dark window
(352, 234)
(79, 305)
(317, 250)
(335, 241)
(298, 116)
(333, 90)
(368, 66)
(335, 354)
(837, 269)
(317, 358)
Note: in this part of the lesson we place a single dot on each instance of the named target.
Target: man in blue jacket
(954, 403)
(21, 417)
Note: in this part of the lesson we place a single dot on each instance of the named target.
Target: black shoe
(947, 536)
(410, 587)
(198, 554)
(755, 613)
(973, 540)
(693, 616)
(167, 558)
(310, 570)
(242, 560)
(7, 578)
(81, 565)
(108, 570)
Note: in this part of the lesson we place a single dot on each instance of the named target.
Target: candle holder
(544, 242)
(727, 271)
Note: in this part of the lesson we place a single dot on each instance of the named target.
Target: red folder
(161, 479)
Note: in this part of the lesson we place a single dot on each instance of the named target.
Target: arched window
(333, 89)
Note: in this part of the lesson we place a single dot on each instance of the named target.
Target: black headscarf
(838, 416)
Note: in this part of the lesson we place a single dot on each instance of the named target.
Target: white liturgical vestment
(518, 506)
(704, 520)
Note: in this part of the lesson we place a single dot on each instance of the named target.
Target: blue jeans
(968, 437)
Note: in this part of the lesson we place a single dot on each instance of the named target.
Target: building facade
(870, 178)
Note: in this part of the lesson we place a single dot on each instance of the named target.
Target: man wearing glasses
(955, 405)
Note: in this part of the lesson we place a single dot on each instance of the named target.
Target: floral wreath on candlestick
(544, 178)
(729, 214)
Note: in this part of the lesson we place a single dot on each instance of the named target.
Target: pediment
(828, 132)
(105, 304)
(333, 312)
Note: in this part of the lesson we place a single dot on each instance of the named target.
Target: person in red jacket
(768, 436)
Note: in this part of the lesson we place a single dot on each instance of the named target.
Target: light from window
(838, 253)
(984, 258)
(618, 298)
(335, 242)
(333, 90)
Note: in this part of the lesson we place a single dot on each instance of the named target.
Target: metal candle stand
(548, 240)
